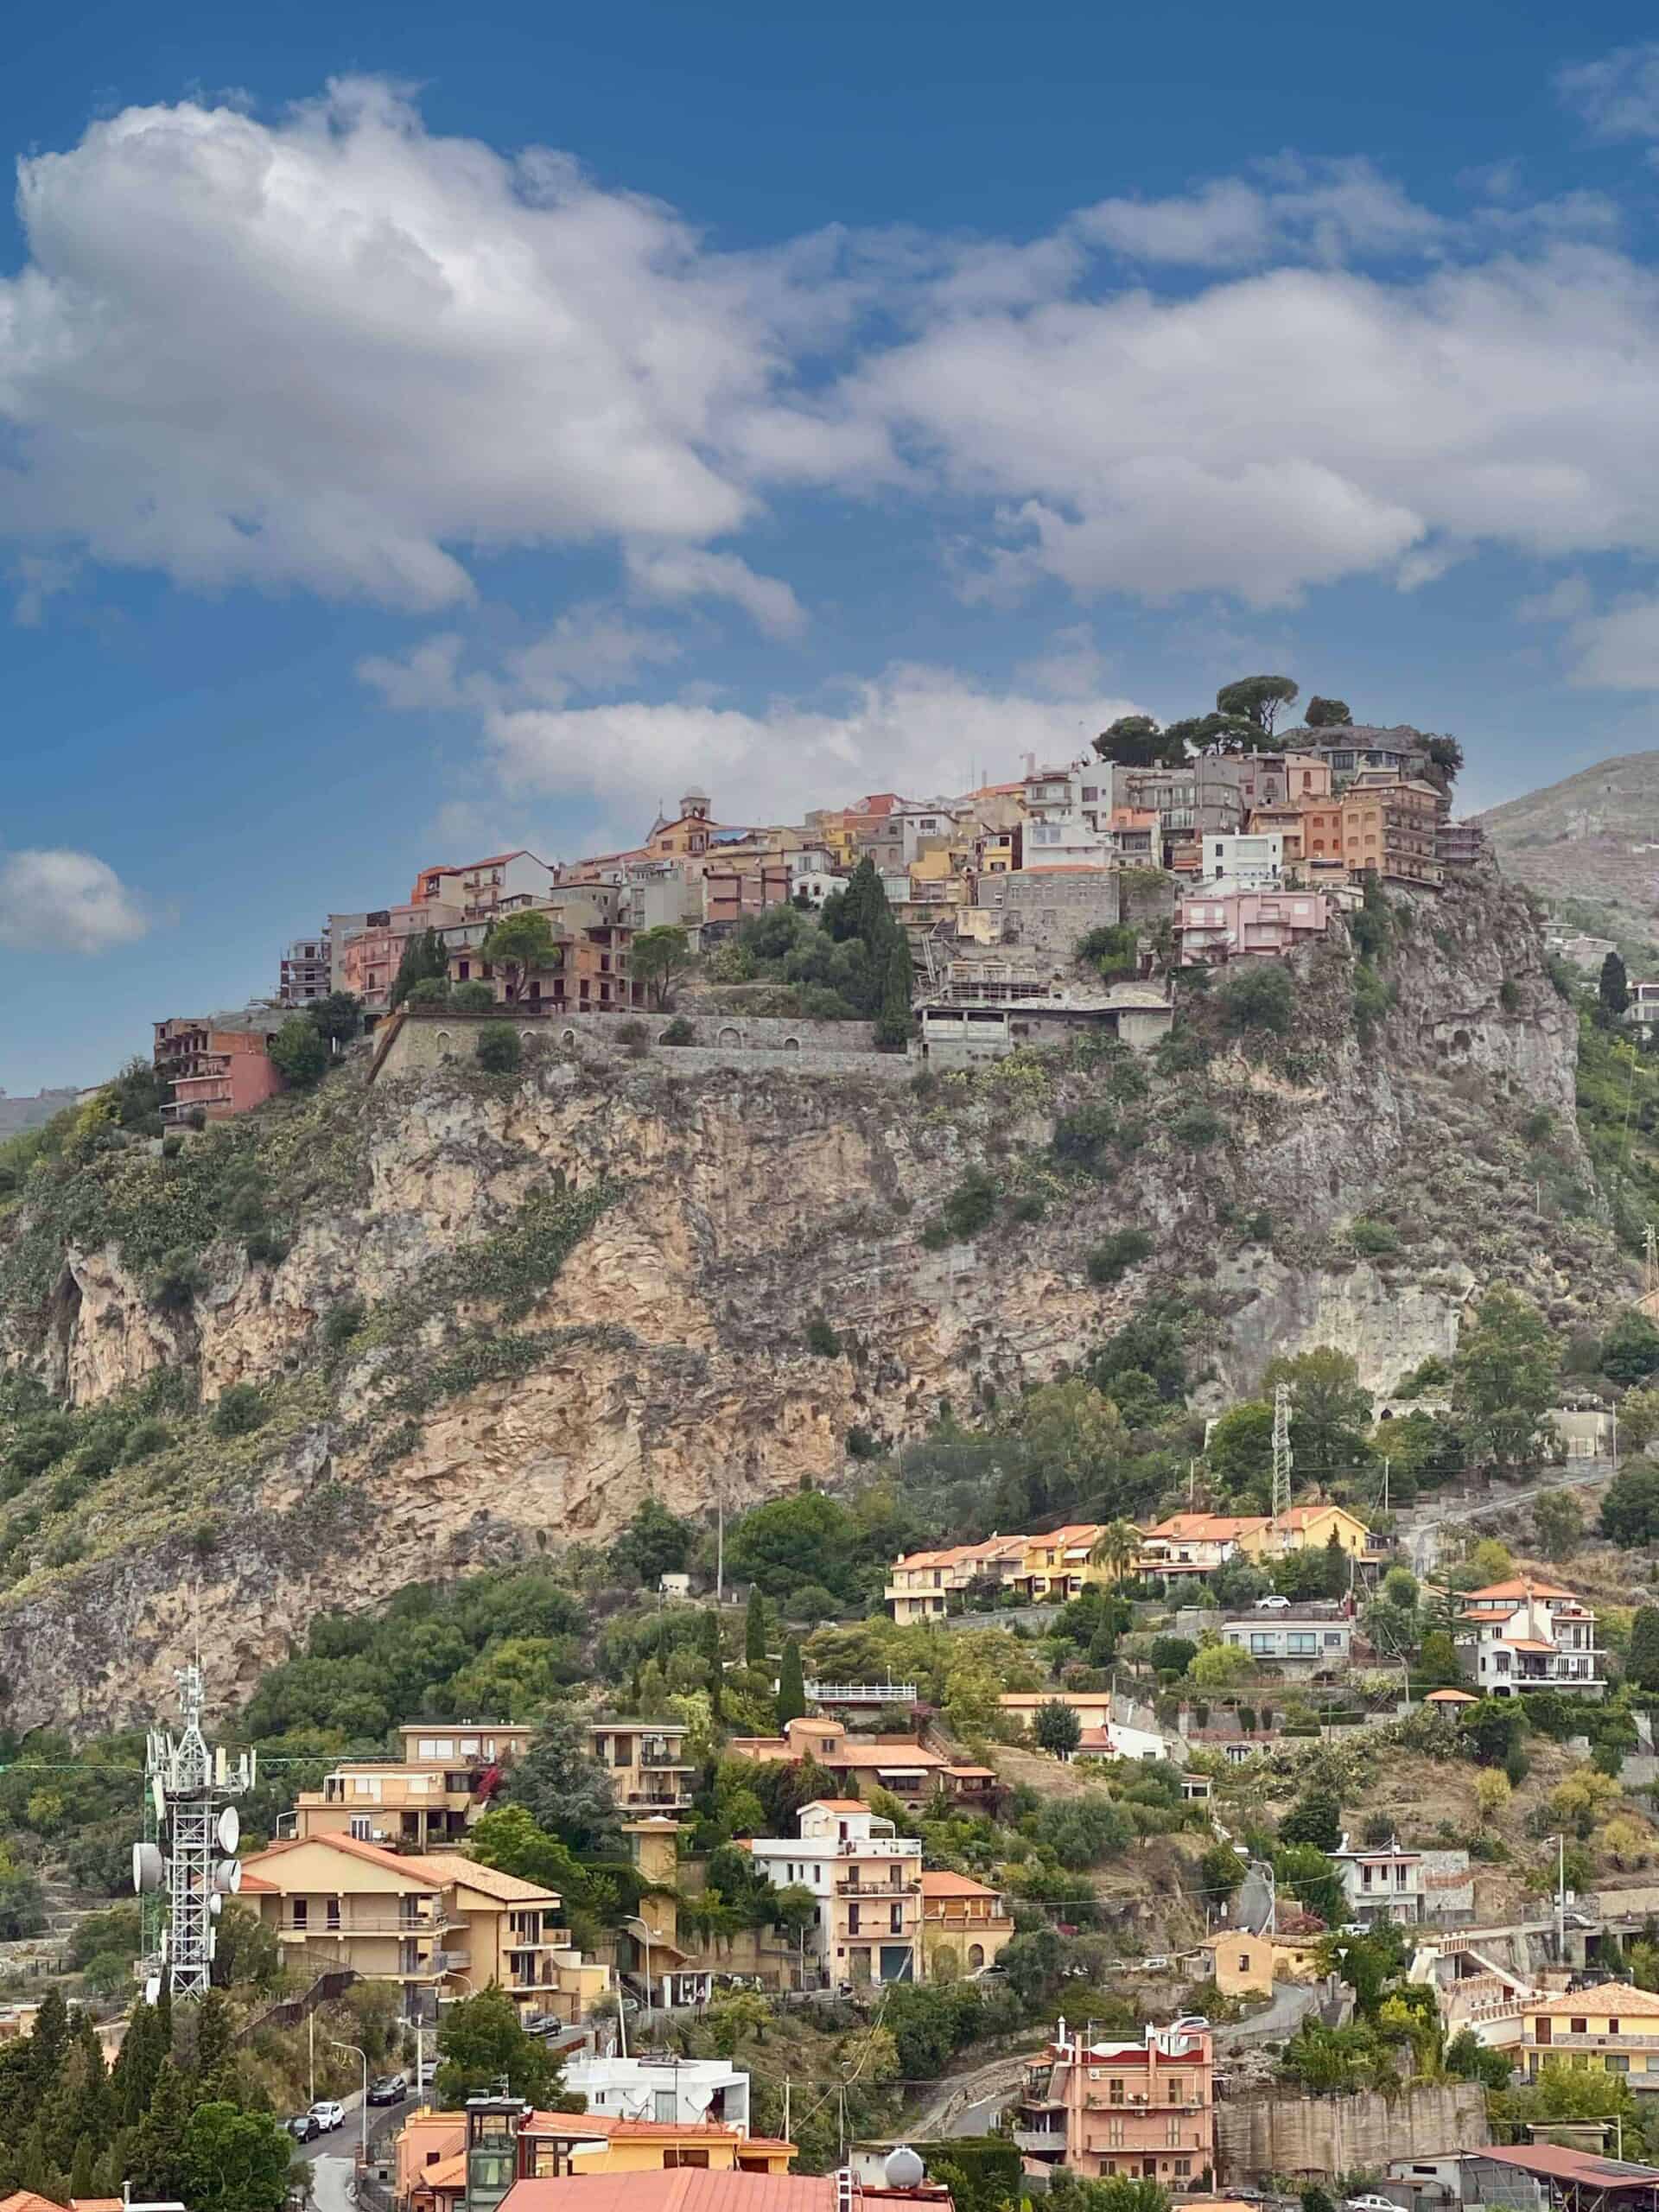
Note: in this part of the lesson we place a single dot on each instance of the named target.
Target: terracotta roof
(370, 1852)
(941, 1884)
(1519, 1587)
(1221, 1526)
(1450, 1697)
(680, 2189)
(25, 2199)
(1614, 1998)
(255, 1885)
(505, 1889)
(443, 2173)
(836, 1805)
(605, 2127)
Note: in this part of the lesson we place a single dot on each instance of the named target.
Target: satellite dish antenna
(227, 1877)
(147, 1869)
(230, 1829)
(904, 2169)
(152, 1988)
(215, 1904)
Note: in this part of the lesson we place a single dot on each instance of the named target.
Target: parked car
(1371, 2202)
(328, 2115)
(1277, 1604)
(392, 2089)
(304, 2127)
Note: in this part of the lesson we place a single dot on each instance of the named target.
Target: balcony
(890, 1889)
(1620, 2042)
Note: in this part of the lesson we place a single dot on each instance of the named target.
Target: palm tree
(1116, 1548)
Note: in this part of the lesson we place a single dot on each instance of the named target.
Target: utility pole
(786, 2090)
(1385, 1486)
(1649, 1258)
(720, 1542)
(1283, 1458)
(1561, 1898)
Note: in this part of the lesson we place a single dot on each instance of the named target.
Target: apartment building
(369, 959)
(1218, 923)
(867, 1882)
(430, 1922)
(483, 888)
(446, 2161)
(964, 1924)
(899, 1764)
(1525, 1633)
(1380, 824)
(1307, 1640)
(304, 972)
(1068, 816)
(216, 1064)
(386, 1803)
(649, 1952)
(1144, 2110)
(1614, 2028)
(1187, 1544)
(1384, 1883)
(1245, 860)
(645, 1764)
(921, 1585)
(688, 2092)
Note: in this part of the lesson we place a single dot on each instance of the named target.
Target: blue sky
(420, 435)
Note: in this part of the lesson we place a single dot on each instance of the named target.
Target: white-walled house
(1527, 1634)
(690, 2092)
(866, 1882)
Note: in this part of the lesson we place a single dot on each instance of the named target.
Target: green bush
(298, 1054)
(1373, 1239)
(679, 1031)
(970, 1208)
(341, 1322)
(499, 1050)
(1080, 1139)
(144, 1438)
(1197, 1127)
(1374, 996)
(1258, 994)
(173, 1286)
(1508, 995)
(241, 1409)
(472, 997)
(1123, 1249)
(821, 1338)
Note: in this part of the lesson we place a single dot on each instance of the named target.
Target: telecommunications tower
(187, 1853)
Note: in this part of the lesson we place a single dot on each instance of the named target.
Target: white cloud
(1618, 95)
(1618, 651)
(923, 731)
(1320, 211)
(1288, 428)
(692, 572)
(591, 647)
(339, 351)
(425, 677)
(1568, 600)
(62, 901)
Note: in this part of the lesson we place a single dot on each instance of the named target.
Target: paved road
(330, 2174)
(342, 2143)
(1421, 1531)
(969, 2104)
(1292, 2003)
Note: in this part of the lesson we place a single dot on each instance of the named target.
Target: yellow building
(1239, 1964)
(649, 1950)
(1614, 2028)
(434, 1921)
(964, 1925)
(431, 2150)
(646, 1764)
(921, 1585)
(1309, 1528)
(384, 1802)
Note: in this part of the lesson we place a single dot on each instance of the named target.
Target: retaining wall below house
(1323, 2137)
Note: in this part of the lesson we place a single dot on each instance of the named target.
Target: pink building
(1226, 926)
(1145, 2110)
(214, 1071)
(369, 961)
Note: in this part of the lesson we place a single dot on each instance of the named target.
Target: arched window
(443, 1041)
(791, 1043)
(567, 1037)
(976, 1957)
(729, 1036)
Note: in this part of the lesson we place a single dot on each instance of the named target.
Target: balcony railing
(1620, 2042)
(894, 1889)
(380, 1925)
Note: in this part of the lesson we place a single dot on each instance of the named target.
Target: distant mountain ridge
(17, 1115)
(1593, 837)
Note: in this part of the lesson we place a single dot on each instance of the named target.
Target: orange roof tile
(837, 1805)
(349, 1845)
(679, 2188)
(1519, 1588)
(1614, 2000)
(505, 1889)
(939, 1883)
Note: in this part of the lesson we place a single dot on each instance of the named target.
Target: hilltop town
(1155, 854)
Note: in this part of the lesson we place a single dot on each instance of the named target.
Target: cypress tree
(1642, 1665)
(791, 1685)
(892, 1023)
(164, 2015)
(754, 1629)
(83, 2172)
(158, 2168)
(214, 2050)
(137, 2064)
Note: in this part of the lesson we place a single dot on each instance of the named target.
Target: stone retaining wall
(1323, 2137)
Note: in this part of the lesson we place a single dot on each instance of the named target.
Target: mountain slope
(483, 1315)
(1594, 837)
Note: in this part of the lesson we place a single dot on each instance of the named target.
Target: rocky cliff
(490, 1314)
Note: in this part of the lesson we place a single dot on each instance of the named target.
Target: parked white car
(1278, 1605)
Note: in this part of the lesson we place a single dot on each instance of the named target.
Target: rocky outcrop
(667, 1354)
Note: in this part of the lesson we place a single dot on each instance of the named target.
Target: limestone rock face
(668, 1353)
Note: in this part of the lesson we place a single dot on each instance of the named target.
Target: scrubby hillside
(1591, 842)
(375, 1335)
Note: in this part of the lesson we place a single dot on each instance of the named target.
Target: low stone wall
(1323, 2137)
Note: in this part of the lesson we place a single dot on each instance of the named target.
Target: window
(1177, 2089)
(332, 1913)
(1183, 2169)
(662, 2104)
(360, 1827)
(1579, 2027)
(1115, 2090)
(298, 1912)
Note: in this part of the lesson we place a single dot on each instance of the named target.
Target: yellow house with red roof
(434, 1919)
(1614, 2028)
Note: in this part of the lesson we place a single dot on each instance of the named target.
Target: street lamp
(363, 2109)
